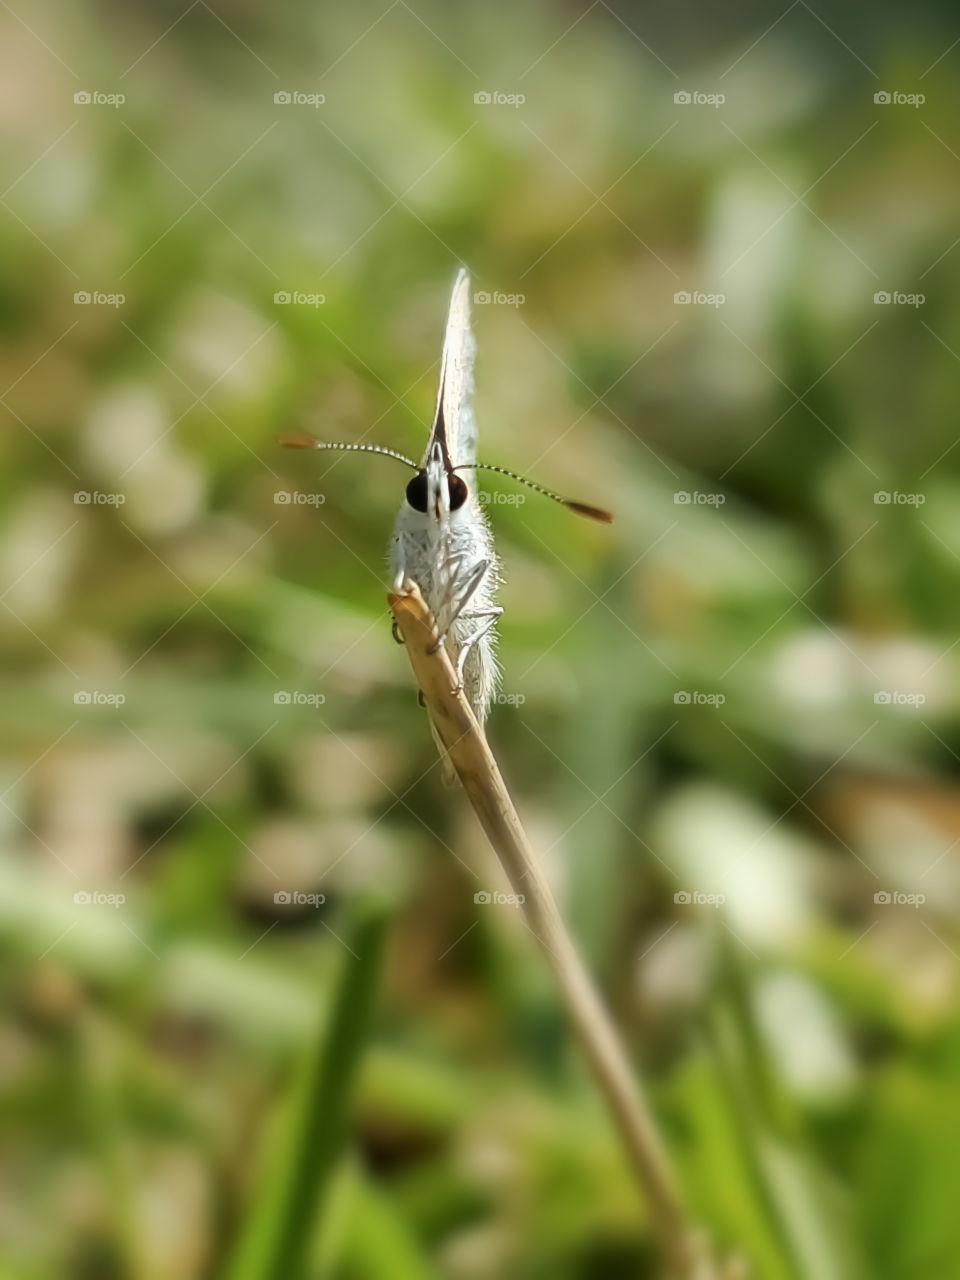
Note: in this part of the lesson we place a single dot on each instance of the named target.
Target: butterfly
(442, 538)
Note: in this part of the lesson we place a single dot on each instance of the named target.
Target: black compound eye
(458, 492)
(417, 491)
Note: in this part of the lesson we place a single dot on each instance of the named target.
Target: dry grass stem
(477, 769)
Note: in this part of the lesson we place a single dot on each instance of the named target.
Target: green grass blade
(287, 1214)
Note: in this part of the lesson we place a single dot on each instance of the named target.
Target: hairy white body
(441, 562)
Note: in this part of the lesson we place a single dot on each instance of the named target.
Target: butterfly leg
(491, 616)
(469, 590)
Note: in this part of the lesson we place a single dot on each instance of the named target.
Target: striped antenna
(301, 441)
(581, 508)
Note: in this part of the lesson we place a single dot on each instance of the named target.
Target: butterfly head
(436, 489)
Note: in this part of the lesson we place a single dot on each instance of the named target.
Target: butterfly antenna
(581, 508)
(301, 441)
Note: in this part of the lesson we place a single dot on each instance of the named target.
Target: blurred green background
(746, 689)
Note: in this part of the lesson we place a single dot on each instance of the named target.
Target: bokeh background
(730, 721)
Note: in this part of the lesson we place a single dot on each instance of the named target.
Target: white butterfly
(442, 538)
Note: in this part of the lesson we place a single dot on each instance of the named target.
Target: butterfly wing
(454, 425)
